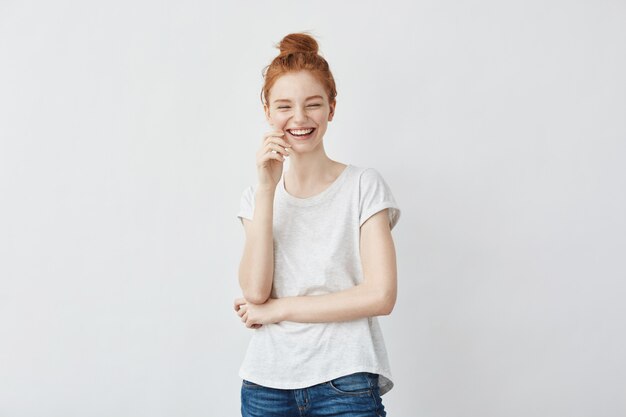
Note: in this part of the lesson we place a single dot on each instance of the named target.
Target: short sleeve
(246, 204)
(374, 196)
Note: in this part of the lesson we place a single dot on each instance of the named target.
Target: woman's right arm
(256, 269)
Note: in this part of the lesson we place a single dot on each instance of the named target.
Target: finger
(278, 148)
(241, 311)
(273, 146)
(238, 302)
(278, 141)
(277, 133)
(271, 155)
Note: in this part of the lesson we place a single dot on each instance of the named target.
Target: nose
(299, 115)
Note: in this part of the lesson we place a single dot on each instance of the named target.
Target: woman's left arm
(375, 296)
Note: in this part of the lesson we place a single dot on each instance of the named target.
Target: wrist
(266, 189)
(283, 309)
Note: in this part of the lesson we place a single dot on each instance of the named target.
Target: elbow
(387, 303)
(252, 292)
(255, 297)
(386, 309)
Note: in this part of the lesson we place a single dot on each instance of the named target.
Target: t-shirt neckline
(317, 198)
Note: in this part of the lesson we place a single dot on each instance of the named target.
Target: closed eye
(310, 105)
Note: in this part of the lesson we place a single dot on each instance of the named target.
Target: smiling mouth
(301, 133)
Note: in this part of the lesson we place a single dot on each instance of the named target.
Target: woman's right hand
(270, 164)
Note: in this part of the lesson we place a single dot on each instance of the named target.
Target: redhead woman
(319, 262)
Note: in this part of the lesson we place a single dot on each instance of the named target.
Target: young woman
(319, 260)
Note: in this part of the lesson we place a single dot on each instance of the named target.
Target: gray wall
(129, 130)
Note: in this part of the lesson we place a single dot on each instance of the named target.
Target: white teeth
(301, 132)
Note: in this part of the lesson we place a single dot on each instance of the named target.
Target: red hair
(298, 52)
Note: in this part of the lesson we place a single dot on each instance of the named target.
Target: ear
(332, 110)
(266, 110)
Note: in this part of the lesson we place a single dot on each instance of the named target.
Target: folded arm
(374, 297)
(350, 304)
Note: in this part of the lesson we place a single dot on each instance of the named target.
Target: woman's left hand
(256, 315)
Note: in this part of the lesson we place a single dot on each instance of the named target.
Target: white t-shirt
(316, 251)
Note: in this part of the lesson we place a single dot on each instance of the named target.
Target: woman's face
(298, 103)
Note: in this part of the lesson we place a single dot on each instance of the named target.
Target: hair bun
(298, 52)
(298, 42)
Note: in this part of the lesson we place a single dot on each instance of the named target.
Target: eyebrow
(289, 101)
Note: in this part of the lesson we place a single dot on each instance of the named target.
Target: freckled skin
(300, 112)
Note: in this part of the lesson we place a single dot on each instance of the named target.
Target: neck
(309, 170)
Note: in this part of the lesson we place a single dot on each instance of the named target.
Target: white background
(129, 130)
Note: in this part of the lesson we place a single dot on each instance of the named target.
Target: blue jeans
(354, 395)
